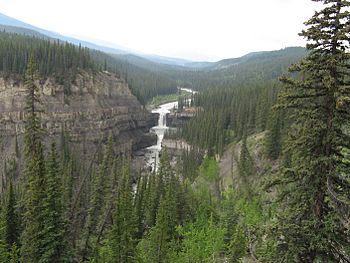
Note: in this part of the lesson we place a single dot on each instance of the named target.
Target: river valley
(152, 152)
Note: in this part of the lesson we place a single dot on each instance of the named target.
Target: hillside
(258, 164)
(9, 21)
(77, 97)
(251, 68)
(13, 25)
(22, 31)
(150, 76)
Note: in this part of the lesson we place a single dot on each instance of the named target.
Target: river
(152, 154)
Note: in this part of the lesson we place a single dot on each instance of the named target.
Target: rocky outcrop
(178, 119)
(88, 110)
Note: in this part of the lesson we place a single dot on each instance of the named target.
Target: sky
(192, 29)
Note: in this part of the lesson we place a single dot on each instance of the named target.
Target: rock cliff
(88, 110)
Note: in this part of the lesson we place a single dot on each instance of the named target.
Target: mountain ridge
(13, 25)
(9, 21)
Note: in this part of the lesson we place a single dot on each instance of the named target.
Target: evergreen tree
(122, 239)
(34, 196)
(155, 247)
(245, 164)
(316, 186)
(235, 238)
(14, 256)
(3, 247)
(140, 204)
(54, 244)
(273, 136)
(32, 126)
(11, 227)
(97, 206)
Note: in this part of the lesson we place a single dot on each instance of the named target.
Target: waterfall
(152, 158)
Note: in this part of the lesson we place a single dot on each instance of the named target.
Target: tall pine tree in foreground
(33, 218)
(54, 245)
(313, 221)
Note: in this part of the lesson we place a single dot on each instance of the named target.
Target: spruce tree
(34, 217)
(312, 221)
(273, 136)
(123, 232)
(11, 224)
(154, 248)
(54, 245)
(245, 164)
(97, 207)
(140, 204)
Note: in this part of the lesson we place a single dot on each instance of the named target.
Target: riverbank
(147, 159)
(163, 99)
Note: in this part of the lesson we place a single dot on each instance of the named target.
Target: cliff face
(88, 110)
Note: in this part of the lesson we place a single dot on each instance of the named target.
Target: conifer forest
(265, 176)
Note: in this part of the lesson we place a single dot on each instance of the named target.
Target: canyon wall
(88, 110)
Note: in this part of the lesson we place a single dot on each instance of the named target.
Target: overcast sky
(192, 29)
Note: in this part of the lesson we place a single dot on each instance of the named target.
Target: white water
(152, 155)
(189, 90)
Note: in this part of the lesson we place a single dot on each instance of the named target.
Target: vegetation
(288, 200)
(225, 114)
(317, 182)
(53, 58)
(158, 100)
(63, 61)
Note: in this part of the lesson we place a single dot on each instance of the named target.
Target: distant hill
(152, 75)
(167, 60)
(199, 65)
(21, 30)
(251, 68)
(246, 70)
(10, 24)
(9, 21)
(260, 57)
(162, 63)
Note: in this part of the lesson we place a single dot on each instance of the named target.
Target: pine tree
(154, 248)
(140, 204)
(122, 239)
(156, 188)
(54, 244)
(273, 136)
(97, 207)
(34, 217)
(32, 125)
(235, 238)
(11, 227)
(316, 188)
(245, 164)
(3, 246)
(14, 254)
